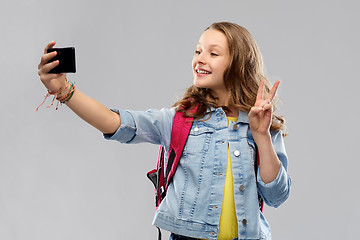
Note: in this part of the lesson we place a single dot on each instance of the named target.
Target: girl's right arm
(85, 107)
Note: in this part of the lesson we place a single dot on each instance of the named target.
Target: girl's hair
(241, 78)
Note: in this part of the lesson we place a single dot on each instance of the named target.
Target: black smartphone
(66, 57)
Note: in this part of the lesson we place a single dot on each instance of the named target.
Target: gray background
(59, 179)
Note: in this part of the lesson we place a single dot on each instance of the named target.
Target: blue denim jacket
(193, 202)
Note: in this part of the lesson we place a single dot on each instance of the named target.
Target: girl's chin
(200, 84)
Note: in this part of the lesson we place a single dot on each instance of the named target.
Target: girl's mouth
(202, 71)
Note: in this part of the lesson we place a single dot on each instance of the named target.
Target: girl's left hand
(260, 115)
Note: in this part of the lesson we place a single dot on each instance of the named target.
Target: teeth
(202, 71)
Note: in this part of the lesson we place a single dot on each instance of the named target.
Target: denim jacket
(193, 202)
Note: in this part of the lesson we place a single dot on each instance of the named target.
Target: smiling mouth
(200, 71)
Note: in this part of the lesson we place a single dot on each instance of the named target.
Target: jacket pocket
(199, 140)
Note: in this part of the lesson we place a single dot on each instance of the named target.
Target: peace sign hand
(260, 115)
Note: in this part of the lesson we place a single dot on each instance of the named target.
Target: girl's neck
(224, 100)
(223, 97)
(233, 113)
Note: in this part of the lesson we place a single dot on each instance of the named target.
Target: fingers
(267, 107)
(271, 95)
(263, 107)
(273, 90)
(255, 111)
(46, 58)
(44, 66)
(50, 45)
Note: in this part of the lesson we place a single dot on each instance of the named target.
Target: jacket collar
(242, 117)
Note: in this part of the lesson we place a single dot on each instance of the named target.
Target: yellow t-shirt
(228, 226)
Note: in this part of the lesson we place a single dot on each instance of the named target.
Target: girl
(214, 193)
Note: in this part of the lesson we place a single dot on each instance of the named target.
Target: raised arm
(85, 107)
(260, 117)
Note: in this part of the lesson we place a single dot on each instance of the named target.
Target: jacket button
(242, 188)
(244, 221)
(237, 153)
(196, 129)
(235, 127)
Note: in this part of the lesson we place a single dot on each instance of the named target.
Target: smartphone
(66, 57)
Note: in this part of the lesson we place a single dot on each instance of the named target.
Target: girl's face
(210, 61)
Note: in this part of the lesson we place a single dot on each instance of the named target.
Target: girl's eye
(197, 52)
(214, 54)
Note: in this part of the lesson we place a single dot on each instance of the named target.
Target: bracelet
(68, 96)
(62, 99)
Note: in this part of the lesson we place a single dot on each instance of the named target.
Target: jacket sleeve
(152, 126)
(276, 192)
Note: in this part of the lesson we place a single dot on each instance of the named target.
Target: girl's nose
(200, 58)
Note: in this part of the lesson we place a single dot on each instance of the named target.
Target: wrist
(262, 138)
(59, 90)
(64, 90)
(63, 95)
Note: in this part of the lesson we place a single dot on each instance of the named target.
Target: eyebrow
(212, 45)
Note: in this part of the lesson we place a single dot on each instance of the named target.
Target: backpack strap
(256, 165)
(180, 131)
(179, 134)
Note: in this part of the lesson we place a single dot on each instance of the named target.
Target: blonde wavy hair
(241, 78)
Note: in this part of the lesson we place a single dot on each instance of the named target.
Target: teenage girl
(214, 193)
